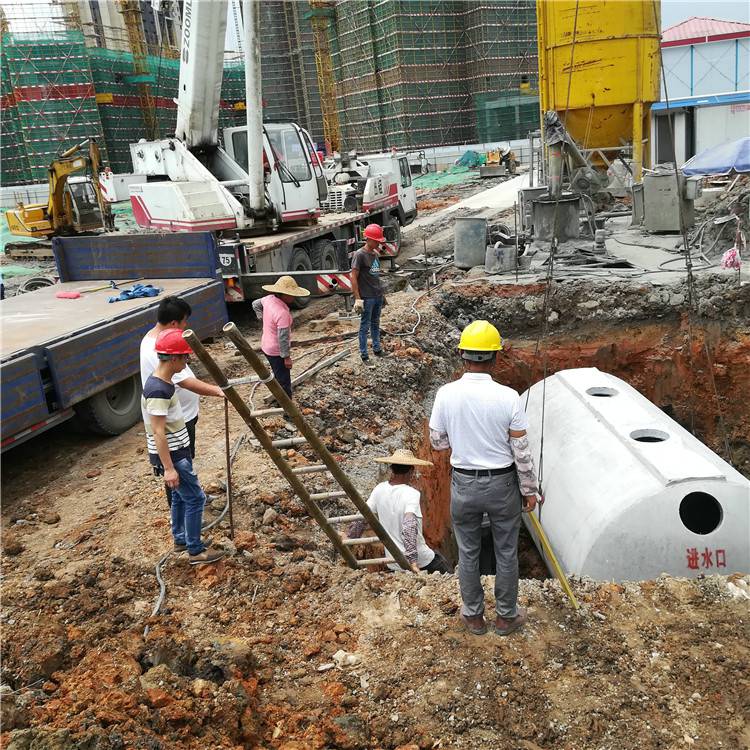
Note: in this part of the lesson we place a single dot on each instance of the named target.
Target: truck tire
(114, 410)
(323, 256)
(396, 225)
(300, 262)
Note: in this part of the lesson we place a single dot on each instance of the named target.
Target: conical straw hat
(403, 457)
(287, 285)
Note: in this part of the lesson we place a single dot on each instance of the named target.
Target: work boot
(475, 625)
(504, 626)
(179, 547)
(380, 353)
(207, 556)
(366, 362)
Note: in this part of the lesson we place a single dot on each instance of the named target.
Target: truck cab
(396, 166)
(289, 154)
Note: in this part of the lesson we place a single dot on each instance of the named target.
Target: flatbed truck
(61, 358)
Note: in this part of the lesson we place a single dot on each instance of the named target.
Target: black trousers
(190, 426)
(281, 372)
(438, 565)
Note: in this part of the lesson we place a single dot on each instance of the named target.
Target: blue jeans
(370, 321)
(188, 500)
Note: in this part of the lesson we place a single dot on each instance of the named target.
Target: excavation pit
(694, 374)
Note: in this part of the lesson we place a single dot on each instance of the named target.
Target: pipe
(555, 156)
(253, 104)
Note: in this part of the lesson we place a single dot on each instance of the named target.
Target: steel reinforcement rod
(286, 403)
(265, 440)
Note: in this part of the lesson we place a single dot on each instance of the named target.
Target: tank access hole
(602, 392)
(700, 512)
(649, 436)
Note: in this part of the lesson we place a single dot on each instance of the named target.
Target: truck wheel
(113, 411)
(323, 256)
(300, 262)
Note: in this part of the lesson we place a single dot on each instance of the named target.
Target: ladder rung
(346, 519)
(327, 495)
(266, 413)
(310, 469)
(374, 561)
(362, 540)
(243, 380)
(288, 442)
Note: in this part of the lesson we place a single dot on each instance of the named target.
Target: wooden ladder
(308, 435)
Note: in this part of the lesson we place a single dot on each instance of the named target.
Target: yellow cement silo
(599, 61)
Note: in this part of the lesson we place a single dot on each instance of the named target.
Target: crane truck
(264, 193)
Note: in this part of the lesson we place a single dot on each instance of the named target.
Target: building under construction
(414, 73)
(394, 73)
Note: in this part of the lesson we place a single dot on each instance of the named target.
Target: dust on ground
(280, 645)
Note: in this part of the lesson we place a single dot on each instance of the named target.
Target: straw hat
(404, 458)
(287, 285)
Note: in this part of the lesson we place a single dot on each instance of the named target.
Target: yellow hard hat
(480, 336)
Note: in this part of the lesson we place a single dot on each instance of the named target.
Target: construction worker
(483, 424)
(276, 341)
(396, 504)
(173, 313)
(169, 447)
(367, 289)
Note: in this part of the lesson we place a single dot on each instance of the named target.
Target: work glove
(359, 306)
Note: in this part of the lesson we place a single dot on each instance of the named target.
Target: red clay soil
(657, 361)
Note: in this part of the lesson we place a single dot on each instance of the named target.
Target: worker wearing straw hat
(396, 504)
(276, 340)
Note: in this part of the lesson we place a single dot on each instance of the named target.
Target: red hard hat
(171, 342)
(374, 232)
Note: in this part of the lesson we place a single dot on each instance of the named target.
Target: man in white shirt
(174, 312)
(484, 426)
(396, 504)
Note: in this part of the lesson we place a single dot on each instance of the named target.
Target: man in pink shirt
(276, 340)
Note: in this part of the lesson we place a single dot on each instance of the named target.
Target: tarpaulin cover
(723, 159)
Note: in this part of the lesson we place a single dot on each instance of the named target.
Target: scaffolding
(414, 73)
(320, 16)
(53, 89)
(131, 12)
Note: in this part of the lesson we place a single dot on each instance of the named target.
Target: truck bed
(56, 353)
(40, 318)
(326, 222)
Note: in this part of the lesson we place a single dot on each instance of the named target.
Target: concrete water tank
(629, 493)
(469, 241)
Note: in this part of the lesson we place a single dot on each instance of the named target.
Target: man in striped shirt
(169, 447)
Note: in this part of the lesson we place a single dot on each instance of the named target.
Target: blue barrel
(469, 242)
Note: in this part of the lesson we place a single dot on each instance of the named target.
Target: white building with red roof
(707, 70)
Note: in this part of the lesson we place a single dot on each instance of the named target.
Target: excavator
(75, 203)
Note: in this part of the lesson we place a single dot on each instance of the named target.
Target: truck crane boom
(273, 178)
(204, 27)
